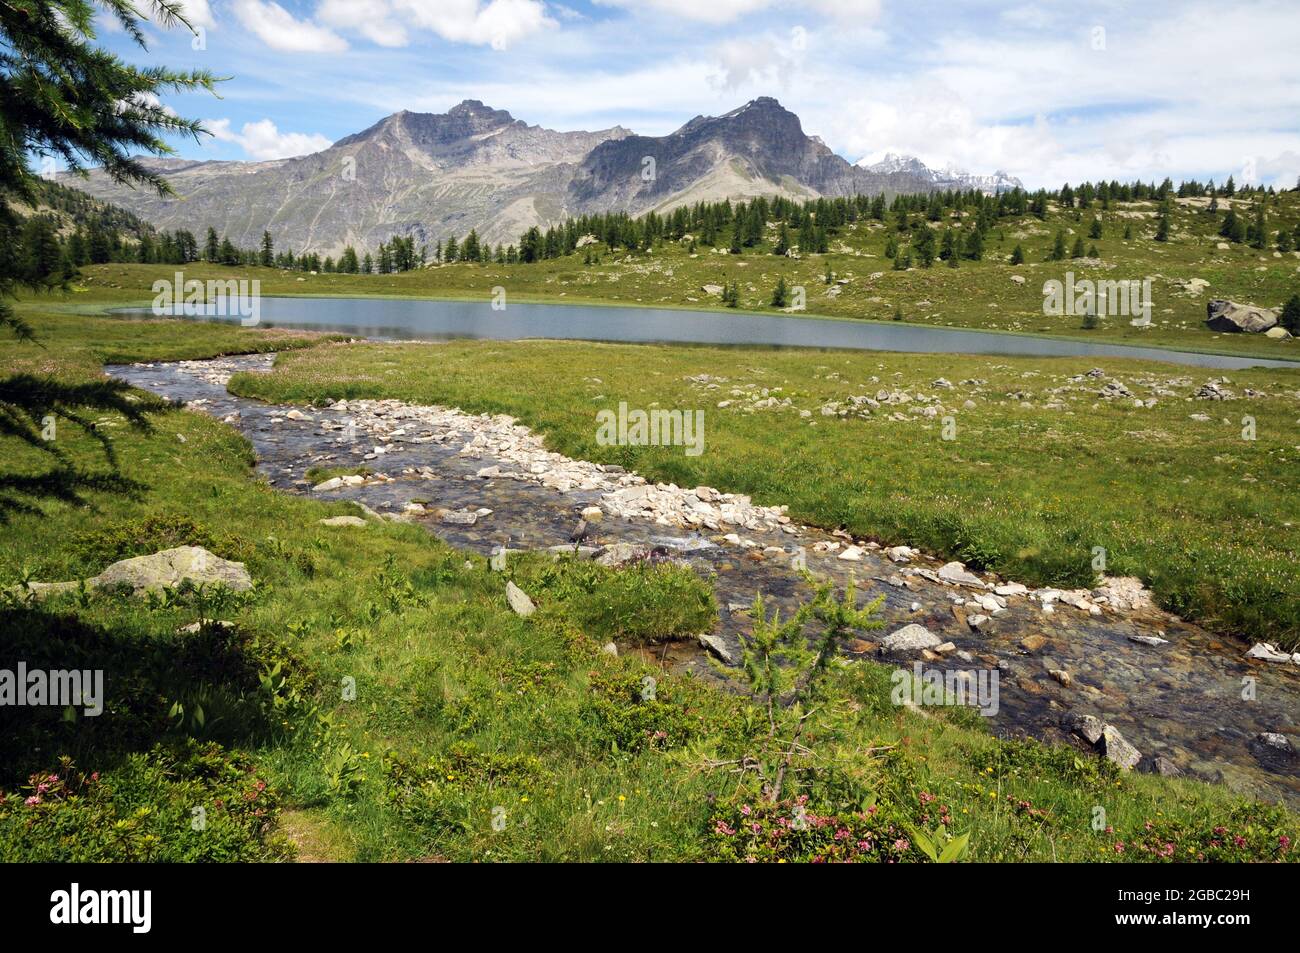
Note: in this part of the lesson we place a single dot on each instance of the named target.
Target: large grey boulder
(1224, 315)
(155, 572)
(171, 567)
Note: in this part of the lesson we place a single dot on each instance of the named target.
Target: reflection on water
(405, 318)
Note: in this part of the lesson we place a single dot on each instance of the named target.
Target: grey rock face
(1224, 315)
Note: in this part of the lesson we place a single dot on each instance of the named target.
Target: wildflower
(32, 801)
(745, 809)
(902, 844)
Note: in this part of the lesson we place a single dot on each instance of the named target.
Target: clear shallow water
(388, 318)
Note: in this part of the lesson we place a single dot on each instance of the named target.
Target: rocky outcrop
(1224, 315)
(167, 569)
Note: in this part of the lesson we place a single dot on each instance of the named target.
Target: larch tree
(65, 100)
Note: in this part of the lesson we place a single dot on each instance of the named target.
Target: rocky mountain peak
(431, 175)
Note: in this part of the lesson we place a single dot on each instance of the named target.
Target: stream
(1179, 702)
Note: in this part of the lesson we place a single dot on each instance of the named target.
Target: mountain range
(432, 176)
(941, 179)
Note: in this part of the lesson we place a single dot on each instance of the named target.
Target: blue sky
(1048, 91)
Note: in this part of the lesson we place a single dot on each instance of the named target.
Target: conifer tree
(61, 96)
(1291, 315)
(1259, 228)
(780, 293)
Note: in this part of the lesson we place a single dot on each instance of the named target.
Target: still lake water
(407, 318)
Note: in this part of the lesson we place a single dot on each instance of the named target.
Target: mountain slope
(758, 149)
(432, 176)
(410, 174)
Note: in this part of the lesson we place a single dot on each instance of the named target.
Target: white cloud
(199, 13)
(276, 27)
(709, 11)
(859, 11)
(1030, 16)
(759, 61)
(262, 140)
(371, 18)
(1054, 109)
(725, 11)
(499, 22)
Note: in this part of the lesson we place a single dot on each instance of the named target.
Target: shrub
(793, 832)
(630, 711)
(125, 539)
(192, 802)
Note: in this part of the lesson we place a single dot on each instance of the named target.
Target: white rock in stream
(1268, 652)
(717, 647)
(957, 574)
(910, 638)
(1118, 750)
